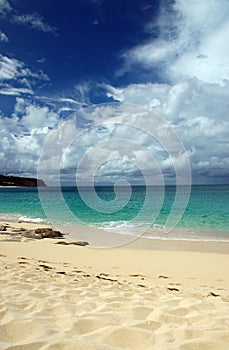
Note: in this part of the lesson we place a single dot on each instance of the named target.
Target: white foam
(157, 232)
(22, 218)
(29, 219)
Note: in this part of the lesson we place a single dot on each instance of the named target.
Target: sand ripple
(60, 307)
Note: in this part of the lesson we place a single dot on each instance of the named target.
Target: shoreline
(152, 233)
(100, 241)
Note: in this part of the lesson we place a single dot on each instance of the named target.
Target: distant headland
(12, 181)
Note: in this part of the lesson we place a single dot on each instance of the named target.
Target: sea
(203, 215)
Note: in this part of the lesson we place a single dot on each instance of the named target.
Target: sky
(168, 56)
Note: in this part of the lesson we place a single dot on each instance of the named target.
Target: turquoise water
(206, 215)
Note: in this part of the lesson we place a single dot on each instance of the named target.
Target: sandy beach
(148, 294)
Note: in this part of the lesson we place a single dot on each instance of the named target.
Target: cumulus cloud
(190, 41)
(38, 118)
(22, 137)
(34, 21)
(185, 99)
(113, 148)
(109, 142)
(197, 111)
(187, 49)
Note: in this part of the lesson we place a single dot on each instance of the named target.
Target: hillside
(7, 180)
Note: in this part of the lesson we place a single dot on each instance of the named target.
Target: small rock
(62, 242)
(80, 243)
(3, 228)
(19, 230)
(48, 233)
(31, 234)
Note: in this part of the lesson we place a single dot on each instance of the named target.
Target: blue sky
(79, 42)
(168, 56)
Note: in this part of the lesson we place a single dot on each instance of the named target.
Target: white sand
(146, 295)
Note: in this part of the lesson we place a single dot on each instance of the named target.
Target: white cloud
(148, 95)
(35, 21)
(4, 7)
(191, 41)
(3, 37)
(41, 60)
(191, 54)
(115, 149)
(111, 141)
(11, 68)
(69, 100)
(16, 78)
(11, 91)
(22, 138)
(198, 111)
(82, 91)
(39, 118)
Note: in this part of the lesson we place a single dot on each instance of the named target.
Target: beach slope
(145, 295)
